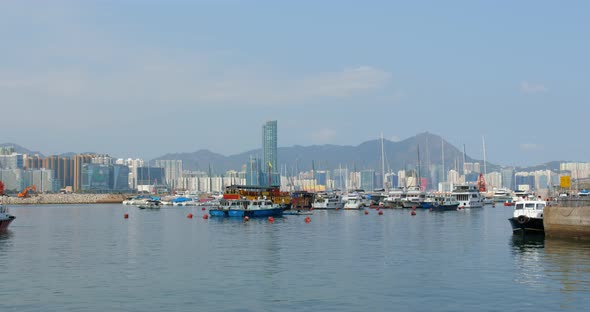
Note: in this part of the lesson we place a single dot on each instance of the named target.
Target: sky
(144, 78)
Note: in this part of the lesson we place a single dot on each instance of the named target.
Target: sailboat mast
(383, 164)
(442, 146)
(485, 169)
(418, 182)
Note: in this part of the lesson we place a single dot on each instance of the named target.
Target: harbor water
(90, 258)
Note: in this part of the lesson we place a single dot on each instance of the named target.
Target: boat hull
(449, 207)
(4, 223)
(218, 213)
(261, 213)
(526, 224)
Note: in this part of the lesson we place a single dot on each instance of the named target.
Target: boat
(5, 218)
(468, 196)
(395, 197)
(328, 201)
(528, 216)
(255, 208)
(150, 204)
(297, 213)
(302, 200)
(356, 201)
(224, 205)
(446, 203)
(502, 195)
(414, 198)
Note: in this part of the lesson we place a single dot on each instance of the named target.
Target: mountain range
(367, 155)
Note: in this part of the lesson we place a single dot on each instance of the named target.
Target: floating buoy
(336, 208)
(307, 219)
(271, 219)
(413, 212)
(205, 216)
(203, 208)
(246, 218)
(190, 215)
(380, 213)
(126, 216)
(366, 212)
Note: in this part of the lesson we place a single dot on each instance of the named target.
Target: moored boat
(5, 218)
(528, 216)
(328, 201)
(468, 196)
(258, 208)
(446, 203)
(150, 204)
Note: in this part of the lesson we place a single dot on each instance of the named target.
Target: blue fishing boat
(258, 208)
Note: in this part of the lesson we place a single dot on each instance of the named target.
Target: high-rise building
(173, 170)
(269, 150)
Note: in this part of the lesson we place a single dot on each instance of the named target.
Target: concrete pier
(568, 219)
(40, 199)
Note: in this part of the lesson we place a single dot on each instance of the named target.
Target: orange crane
(1, 188)
(25, 192)
(481, 183)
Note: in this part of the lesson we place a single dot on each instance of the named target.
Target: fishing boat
(255, 208)
(528, 216)
(5, 218)
(446, 203)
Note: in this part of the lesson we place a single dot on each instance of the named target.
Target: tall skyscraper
(269, 150)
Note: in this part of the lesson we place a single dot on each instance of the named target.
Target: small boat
(528, 216)
(468, 196)
(297, 213)
(5, 218)
(447, 203)
(150, 204)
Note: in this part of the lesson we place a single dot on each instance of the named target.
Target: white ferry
(468, 196)
(328, 201)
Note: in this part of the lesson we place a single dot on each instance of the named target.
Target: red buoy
(271, 219)
(205, 216)
(380, 213)
(307, 219)
(413, 212)
(246, 218)
(203, 208)
(126, 216)
(190, 215)
(366, 212)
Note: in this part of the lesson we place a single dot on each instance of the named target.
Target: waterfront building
(95, 177)
(524, 181)
(150, 175)
(119, 178)
(493, 180)
(270, 153)
(172, 169)
(253, 172)
(12, 161)
(508, 178)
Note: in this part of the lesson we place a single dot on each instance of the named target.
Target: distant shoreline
(43, 199)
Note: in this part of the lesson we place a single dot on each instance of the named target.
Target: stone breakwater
(570, 219)
(65, 199)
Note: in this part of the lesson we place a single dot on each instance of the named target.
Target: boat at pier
(468, 196)
(528, 216)
(447, 203)
(5, 218)
(356, 201)
(150, 204)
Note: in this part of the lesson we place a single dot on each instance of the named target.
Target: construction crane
(25, 192)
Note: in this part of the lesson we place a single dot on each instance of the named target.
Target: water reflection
(528, 259)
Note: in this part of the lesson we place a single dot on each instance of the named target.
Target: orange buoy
(413, 212)
(307, 219)
(190, 215)
(271, 219)
(336, 208)
(380, 213)
(246, 218)
(205, 216)
(366, 212)
(203, 208)
(126, 216)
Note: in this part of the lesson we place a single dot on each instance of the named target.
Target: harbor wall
(41, 199)
(567, 221)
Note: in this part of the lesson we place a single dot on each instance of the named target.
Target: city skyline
(91, 76)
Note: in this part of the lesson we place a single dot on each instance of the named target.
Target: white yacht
(468, 196)
(356, 201)
(395, 197)
(414, 198)
(328, 201)
(502, 195)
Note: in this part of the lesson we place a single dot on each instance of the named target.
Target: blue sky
(144, 78)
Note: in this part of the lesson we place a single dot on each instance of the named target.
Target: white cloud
(528, 87)
(531, 147)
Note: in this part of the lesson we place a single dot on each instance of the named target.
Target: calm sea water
(89, 258)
